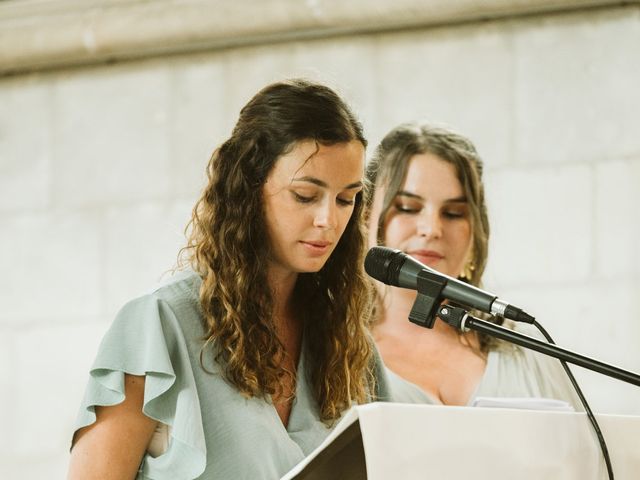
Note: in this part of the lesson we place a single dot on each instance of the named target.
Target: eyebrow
(323, 184)
(404, 193)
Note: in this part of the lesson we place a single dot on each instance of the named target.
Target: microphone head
(384, 264)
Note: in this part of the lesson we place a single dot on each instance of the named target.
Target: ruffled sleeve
(147, 339)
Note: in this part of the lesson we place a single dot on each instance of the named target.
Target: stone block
(328, 61)
(596, 319)
(459, 76)
(7, 381)
(199, 120)
(252, 68)
(25, 144)
(142, 243)
(608, 395)
(111, 135)
(30, 467)
(332, 61)
(541, 225)
(52, 266)
(576, 87)
(617, 231)
(52, 365)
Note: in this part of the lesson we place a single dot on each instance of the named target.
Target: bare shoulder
(113, 446)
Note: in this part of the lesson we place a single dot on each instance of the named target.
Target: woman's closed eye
(341, 201)
(303, 198)
(407, 208)
(345, 202)
(455, 213)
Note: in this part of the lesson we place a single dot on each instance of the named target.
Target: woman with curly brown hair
(429, 202)
(238, 368)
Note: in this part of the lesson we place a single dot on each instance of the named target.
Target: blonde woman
(429, 203)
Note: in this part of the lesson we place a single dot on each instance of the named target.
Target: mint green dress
(215, 433)
(512, 371)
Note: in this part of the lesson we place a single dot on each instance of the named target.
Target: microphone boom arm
(459, 318)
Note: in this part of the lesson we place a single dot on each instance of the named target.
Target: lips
(316, 247)
(426, 256)
(317, 243)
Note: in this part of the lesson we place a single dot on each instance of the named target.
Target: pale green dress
(513, 371)
(215, 433)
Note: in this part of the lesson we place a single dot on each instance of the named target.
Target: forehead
(428, 175)
(338, 163)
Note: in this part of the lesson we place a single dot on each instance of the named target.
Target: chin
(312, 266)
(315, 268)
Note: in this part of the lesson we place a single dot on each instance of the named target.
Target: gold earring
(467, 271)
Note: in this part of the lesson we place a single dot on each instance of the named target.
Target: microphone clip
(429, 297)
(454, 316)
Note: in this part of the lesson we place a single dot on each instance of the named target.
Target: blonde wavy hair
(227, 245)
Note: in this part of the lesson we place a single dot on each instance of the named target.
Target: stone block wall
(100, 165)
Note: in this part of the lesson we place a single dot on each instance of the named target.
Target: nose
(429, 224)
(325, 216)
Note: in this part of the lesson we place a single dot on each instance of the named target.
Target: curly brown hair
(227, 247)
(388, 167)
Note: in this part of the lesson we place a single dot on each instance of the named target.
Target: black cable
(583, 400)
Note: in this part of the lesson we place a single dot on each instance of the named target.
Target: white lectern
(384, 441)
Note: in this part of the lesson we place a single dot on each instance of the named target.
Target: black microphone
(398, 269)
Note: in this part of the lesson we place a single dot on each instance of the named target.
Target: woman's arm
(113, 446)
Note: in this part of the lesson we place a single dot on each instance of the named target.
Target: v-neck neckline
(485, 374)
(304, 430)
(300, 378)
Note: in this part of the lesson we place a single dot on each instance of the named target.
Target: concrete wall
(100, 165)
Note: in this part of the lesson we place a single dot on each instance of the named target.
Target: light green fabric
(511, 371)
(215, 432)
(514, 371)
(406, 392)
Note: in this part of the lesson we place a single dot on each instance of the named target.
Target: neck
(282, 285)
